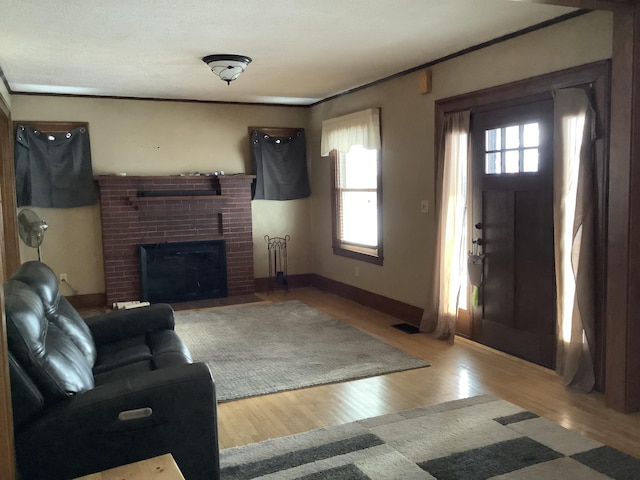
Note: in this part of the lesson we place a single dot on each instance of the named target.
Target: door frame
(10, 260)
(598, 76)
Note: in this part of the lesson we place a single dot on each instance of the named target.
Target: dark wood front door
(512, 155)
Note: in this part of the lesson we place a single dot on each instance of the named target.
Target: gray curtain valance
(280, 166)
(54, 170)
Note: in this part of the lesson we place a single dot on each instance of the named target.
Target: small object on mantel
(158, 468)
(129, 305)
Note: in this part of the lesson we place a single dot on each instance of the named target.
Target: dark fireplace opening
(183, 271)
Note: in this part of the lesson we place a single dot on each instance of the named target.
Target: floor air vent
(406, 328)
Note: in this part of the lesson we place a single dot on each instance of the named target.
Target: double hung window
(357, 202)
(353, 144)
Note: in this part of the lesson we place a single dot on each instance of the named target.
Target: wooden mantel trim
(116, 177)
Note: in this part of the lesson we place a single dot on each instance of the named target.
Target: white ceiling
(303, 50)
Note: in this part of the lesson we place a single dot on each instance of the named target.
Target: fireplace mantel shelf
(178, 198)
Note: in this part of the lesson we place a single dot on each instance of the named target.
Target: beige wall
(408, 149)
(159, 138)
(147, 137)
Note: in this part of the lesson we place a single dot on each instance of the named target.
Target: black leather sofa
(91, 394)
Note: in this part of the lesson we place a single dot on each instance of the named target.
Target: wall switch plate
(63, 277)
(424, 206)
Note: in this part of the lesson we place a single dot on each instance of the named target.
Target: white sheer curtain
(574, 236)
(451, 250)
(359, 128)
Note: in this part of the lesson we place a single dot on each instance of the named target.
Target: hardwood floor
(457, 370)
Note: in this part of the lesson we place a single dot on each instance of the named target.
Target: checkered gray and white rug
(472, 439)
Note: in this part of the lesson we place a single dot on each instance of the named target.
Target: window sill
(363, 254)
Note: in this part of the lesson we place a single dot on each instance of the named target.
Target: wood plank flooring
(458, 370)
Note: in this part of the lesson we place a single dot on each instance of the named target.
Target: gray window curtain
(54, 170)
(280, 166)
(574, 240)
(452, 193)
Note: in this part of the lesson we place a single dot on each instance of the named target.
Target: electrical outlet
(424, 206)
(63, 277)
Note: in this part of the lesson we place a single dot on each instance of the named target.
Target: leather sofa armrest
(171, 410)
(120, 324)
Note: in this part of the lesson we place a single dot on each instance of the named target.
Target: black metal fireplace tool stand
(277, 247)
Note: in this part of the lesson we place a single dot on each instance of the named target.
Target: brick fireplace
(146, 210)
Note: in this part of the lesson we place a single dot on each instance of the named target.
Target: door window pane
(493, 162)
(494, 139)
(512, 136)
(512, 149)
(512, 161)
(531, 135)
(530, 160)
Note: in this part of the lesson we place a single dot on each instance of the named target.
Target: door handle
(478, 225)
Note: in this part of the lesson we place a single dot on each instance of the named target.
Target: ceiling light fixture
(227, 67)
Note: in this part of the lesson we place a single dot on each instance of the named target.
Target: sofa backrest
(57, 308)
(43, 351)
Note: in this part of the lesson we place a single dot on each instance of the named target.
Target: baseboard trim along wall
(293, 281)
(90, 300)
(403, 311)
(400, 310)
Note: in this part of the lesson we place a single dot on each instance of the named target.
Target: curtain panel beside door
(574, 238)
(574, 197)
(452, 192)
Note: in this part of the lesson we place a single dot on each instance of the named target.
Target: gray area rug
(471, 439)
(272, 347)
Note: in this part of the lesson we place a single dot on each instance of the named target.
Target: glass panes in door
(512, 149)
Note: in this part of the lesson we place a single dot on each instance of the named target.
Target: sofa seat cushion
(123, 352)
(123, 372)
(156, 350)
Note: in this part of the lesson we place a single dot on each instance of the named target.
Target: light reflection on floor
(464, 389)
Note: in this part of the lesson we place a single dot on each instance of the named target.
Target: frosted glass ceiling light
(227, 67)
